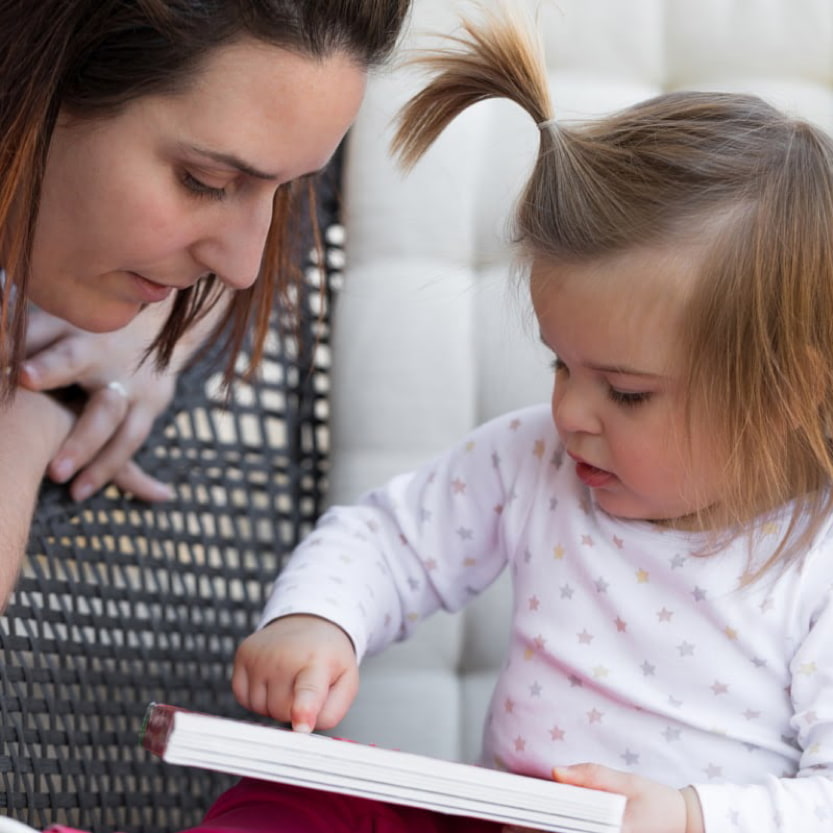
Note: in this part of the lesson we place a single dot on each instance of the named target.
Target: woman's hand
(123, 400)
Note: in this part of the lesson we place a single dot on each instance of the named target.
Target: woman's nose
(233, 249)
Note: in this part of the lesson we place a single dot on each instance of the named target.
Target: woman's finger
(42, 329)
(136, 481)
(57, 365)
(101, 418)
(113, 461)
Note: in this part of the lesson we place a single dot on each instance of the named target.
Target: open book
(325, 763)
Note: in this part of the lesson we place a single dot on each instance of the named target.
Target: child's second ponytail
(502, 59)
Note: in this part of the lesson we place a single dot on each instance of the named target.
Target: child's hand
(651, 808)
(298, 669)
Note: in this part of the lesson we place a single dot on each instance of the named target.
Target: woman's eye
(629, 398)
(200, 189)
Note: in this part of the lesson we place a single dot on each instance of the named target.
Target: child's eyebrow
(613, 369)
(624, 370)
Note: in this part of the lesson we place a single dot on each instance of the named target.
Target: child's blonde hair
(726, 170)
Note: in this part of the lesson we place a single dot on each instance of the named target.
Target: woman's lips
(148, 291)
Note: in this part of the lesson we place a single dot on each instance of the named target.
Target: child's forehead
(625, 308)
(640, 274)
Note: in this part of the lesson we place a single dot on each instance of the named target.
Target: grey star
(630, 758)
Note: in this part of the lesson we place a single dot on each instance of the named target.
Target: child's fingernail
(302, 727)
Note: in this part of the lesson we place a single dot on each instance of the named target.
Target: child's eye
(557, 365)
(200, 189)
(629, 398)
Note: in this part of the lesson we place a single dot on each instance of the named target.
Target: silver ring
(117, 387)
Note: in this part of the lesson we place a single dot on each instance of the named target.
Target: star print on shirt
(556, 733)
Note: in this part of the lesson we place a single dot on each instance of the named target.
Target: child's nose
(573, 411)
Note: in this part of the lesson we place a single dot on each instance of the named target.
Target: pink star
(556, 733)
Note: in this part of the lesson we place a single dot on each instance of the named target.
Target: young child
(666, 520)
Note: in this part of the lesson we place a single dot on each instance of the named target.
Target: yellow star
(539, 449)
(642, 576)
(730, 632)
(558, 552)
(807, 668)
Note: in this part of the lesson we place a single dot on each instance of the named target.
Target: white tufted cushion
(430, 336)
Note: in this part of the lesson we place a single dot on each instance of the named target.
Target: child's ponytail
(501, 59)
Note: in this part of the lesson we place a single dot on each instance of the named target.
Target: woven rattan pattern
(122, 602)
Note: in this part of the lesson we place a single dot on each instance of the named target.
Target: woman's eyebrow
(235, 162)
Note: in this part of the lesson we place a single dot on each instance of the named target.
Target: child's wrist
(693, 811)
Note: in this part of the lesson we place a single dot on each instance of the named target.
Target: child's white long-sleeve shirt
(627, 647)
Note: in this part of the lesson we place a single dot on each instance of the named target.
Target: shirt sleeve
(427, 540)
(803, 802)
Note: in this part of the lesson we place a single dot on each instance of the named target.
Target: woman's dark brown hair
(91, 58)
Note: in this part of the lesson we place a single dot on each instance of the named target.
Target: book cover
(272, 753)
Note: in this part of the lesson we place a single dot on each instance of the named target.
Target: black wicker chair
(122, 602)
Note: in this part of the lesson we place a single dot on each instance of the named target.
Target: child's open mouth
(591, 476)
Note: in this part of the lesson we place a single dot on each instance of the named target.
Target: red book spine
(159, 720)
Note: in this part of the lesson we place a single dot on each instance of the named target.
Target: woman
(152, 154)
